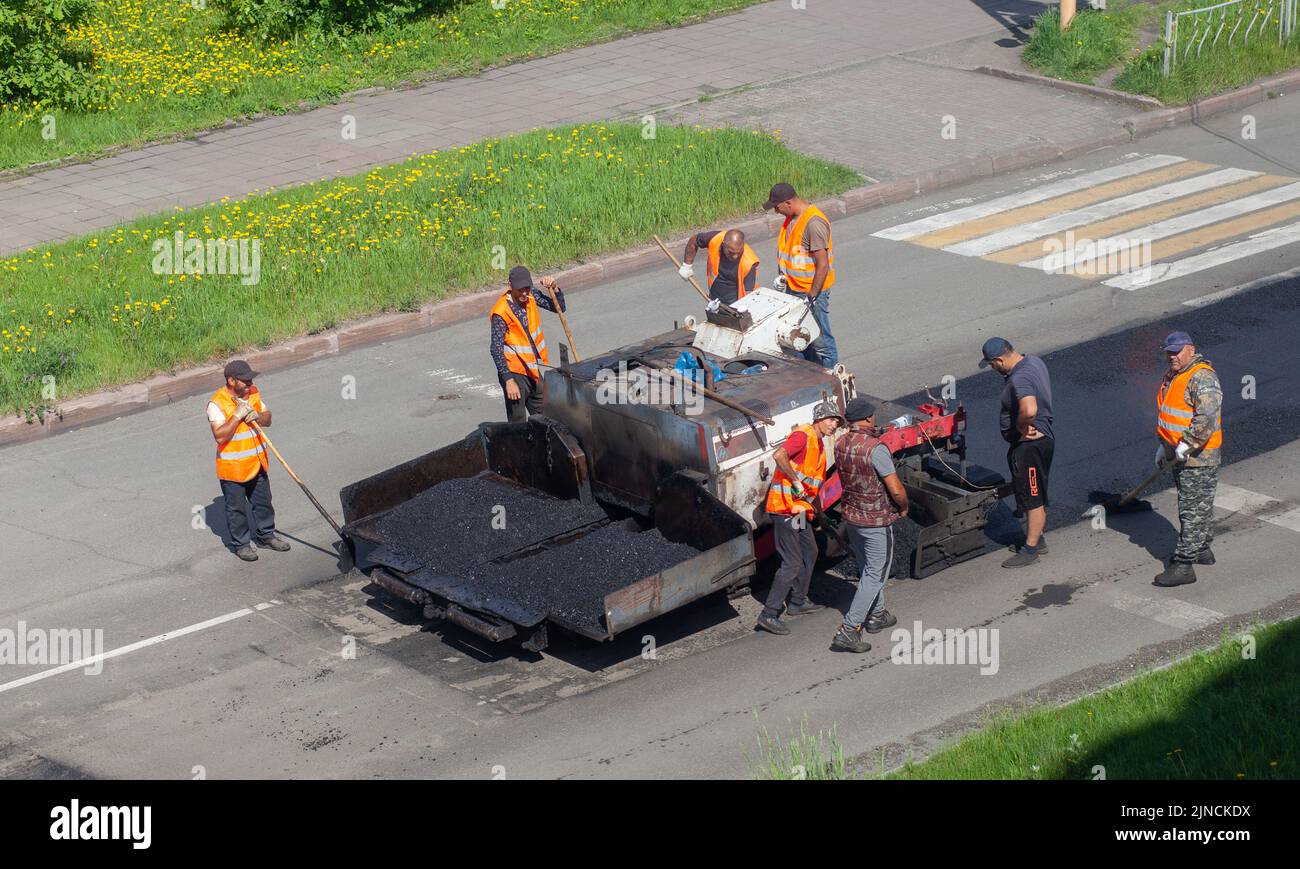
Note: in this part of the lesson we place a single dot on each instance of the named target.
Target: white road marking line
(468, 382)
(914, 228)
(135, 647)
(1167, 610)
(1194, 220)
(1257, 506)
(1211, 298)
(1025, 232)
(1161, 272)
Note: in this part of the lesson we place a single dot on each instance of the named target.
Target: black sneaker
(849, 639)
(1023, 558)
(1177, 573)
(798, 609)
(772, 624)
(1042, 546)
(275, 544)
(247, 552)
(878, 621)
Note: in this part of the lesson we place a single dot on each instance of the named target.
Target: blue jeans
(873, 550)
(823, 350)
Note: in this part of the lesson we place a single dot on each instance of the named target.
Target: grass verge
(95, 312)
(1095, 42)
(803, 756)
(166, 67)
(1221, 714)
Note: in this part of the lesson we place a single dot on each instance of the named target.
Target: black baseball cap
(859, 409)
(520, 278)
(780, 193)
(240, 370)
(993, 348)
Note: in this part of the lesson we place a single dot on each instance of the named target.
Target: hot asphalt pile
(570, 582)
(449, 528)
(459, 524)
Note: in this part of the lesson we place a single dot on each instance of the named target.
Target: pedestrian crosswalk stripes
(1156, 207)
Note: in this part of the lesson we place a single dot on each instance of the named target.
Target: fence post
(1169, 41)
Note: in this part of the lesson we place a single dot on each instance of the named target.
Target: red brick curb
(166, 388)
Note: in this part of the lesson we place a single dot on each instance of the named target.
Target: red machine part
(939, 426)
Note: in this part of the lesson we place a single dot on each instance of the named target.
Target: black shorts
(1030, 462)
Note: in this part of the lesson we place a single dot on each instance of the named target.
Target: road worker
(518, 345)
(806, 262)
(731, 267)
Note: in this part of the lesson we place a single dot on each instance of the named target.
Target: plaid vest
(865, 501)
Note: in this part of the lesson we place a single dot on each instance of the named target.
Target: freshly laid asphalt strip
(449, 528)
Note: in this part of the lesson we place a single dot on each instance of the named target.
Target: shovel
(1115, 503)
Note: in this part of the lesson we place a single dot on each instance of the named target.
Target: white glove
(686, 271)
(1181, 451)
(243, 410)
(713, 306)
(779, 283)
(1161, 456)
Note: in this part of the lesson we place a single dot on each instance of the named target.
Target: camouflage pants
(1195, 509)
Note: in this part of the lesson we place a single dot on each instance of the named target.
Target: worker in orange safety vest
(518, 345)
(806, 263)
(731, 265)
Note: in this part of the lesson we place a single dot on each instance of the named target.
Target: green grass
(1217, 69)
(802, 756)
(1094, 42)
(1216, 715)
(388, 239)
(167, 68)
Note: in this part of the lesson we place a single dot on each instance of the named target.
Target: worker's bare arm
(897, 494)
(821, 268)
(263, 419)
(782, 459)
(224, 431)
(1028, 412)
(688, 255)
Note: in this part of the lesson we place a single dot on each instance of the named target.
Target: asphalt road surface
(286, 667)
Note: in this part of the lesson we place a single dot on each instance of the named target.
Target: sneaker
(798, 609)
(1177, 573)
(772, 624)
(878, 621)
(849, 639)
(275, 544)
(1023, 558)
(1042, 546)
(247, 552)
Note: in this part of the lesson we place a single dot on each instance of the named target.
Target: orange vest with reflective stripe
(240, 458)
(794, 261)
(1175, 414)
(812, 472)
(748, 259)
(520, 358)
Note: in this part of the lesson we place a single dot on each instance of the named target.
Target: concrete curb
(165, 389)
(1092, 90)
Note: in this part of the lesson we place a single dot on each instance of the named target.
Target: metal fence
(1191, 31)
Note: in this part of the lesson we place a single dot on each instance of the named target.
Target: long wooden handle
(328, 518)
(563, 322)
(677, 263)
(720, 399)
(1136, 490)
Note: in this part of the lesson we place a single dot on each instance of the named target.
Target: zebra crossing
(1147, 219)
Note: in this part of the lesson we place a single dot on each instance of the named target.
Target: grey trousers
(797, 547)
(240, 498)
(873, 549)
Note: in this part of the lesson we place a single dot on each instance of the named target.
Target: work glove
(1181, 451)
(713, 306)
(800, 493)
(1160, 456)
(686, 271)
(243, 410)
(779, 283)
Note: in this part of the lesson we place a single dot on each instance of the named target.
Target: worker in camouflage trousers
(1190, 404)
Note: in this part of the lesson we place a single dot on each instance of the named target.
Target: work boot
(1206, 556)
(798, 609)
(1177, 573)
(247, 552)
(849, 639)
(772, 624)
(273, 543)
(1023, 558)
(878, 621)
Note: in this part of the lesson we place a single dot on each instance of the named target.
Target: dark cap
(993, 348)
(859, 409)
(520, 278)
(780, 193)
(1176, 341)
(826, 410)
(240, 370)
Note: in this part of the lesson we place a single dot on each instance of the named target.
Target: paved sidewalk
(874, 104)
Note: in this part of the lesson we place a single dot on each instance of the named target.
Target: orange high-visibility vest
(1175, 414)
(794, 261)
(748, 259)
(519, 353)
(244, 455)
(811, 471)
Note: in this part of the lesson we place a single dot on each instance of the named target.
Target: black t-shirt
(724, 286)
(1029, 377)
